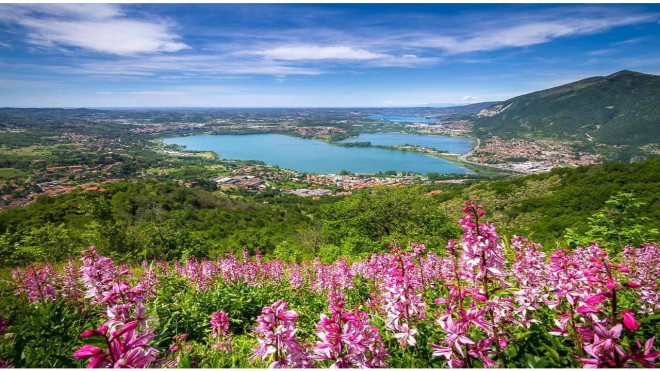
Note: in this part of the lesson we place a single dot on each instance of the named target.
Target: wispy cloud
(192, 65)
(315, 52)
(101, 28)
(602, 52)
(634, 40)
(512, 33)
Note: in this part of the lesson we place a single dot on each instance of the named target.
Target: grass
(208, 154)
(9, 172)
(26, 151)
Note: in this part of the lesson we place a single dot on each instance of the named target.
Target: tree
(385, 215)
(618, 225)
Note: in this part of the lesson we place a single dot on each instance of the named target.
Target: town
(83, 150)
(530, 156)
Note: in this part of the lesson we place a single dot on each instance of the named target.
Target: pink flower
(587, 309)
(644, 356)
(440, 301)
(87, 351)
(610, 285)
(629, 320)
(348, 339)
(276, 336)
(37, 281)
(406, 335)
(220, 328)
(4, 324)
(479, 296)
(127, 347)
(219, 324)
(595, 299)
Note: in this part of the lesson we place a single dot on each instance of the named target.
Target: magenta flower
(178, 349)
(97, 274)
(276, 336)
(603, 346)
(87, 351)
(629, 320)
(348, 339)
(644, 356)
(595, 299)
(37, 281)
(587, 309)
(220, 328)
(4, 324)
(127, 346)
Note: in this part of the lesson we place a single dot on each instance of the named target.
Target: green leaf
(552, 352)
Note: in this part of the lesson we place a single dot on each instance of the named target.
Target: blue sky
(336, 55)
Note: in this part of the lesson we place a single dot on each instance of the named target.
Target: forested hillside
(149, 219)
(621, 108)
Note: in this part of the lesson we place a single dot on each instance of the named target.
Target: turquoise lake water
(314, 156)
(440, 143)
(401, 118)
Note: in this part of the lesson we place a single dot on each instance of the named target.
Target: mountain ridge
(621, 108)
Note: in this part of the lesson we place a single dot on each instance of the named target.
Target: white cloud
(209, 66)
(469, 98)
(98, 27)
(537, 30)
(313, 52)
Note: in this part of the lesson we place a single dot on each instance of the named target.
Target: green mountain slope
(542, 206)
(622, 108)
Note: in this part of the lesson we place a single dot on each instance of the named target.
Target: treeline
(542, 206)
(167, 221)
(163, 220)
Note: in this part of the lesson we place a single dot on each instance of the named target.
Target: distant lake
(401, 118)
(437, 142)
(314, 156)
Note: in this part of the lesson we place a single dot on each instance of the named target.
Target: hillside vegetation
(167, 221)
(622, 108)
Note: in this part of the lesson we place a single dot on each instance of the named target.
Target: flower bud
(629, 320)
(88, 333)
(587, 309)
(594, 299)
(87, 351)
(610, 285)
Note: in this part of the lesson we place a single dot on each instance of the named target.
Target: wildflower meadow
(484, 301)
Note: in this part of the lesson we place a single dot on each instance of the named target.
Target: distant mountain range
(622, 108)
(432, 110)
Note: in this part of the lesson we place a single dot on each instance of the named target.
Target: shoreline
(160, 140)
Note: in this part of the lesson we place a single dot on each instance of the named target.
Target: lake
(401, 118)
(437, 142)
(314, 156)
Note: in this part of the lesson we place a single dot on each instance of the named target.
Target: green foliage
(621, 223)
(45, 335)
(617, 109)
(383, 216)
(146, 220)
(542, 206)
(168, 221)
